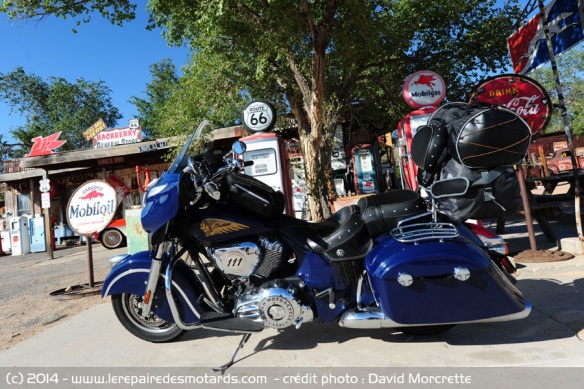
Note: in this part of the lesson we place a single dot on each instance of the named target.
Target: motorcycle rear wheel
(426, 330)
(127, 308)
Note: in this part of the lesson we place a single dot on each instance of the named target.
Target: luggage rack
(414, 233)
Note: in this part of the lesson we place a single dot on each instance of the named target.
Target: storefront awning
(80, 158)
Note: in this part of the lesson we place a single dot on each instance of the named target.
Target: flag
(528, 47)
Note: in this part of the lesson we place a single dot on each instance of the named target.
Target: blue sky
(120, 56)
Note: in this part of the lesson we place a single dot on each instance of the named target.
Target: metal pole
(89, 260)
(564, 118)
(526, 207)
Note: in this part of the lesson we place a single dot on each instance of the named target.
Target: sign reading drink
(518, 93)
(91, 207)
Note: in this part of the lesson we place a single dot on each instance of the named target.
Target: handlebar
(205, 179)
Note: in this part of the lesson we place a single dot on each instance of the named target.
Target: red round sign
(424, 89)
(518, 93)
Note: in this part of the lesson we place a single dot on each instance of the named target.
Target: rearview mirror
(239, 147)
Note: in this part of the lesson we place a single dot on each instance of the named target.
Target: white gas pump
(37, 235)
(267, 151)
(20, 239)
(270, 164)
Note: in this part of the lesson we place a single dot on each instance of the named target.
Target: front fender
(131, 275)
(128, 276)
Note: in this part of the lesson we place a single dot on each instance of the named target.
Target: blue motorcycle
(225, 257)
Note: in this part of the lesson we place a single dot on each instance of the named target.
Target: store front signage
(110, 161)
(117, 136)
(155, 146)
(95, 129)
(91, 207)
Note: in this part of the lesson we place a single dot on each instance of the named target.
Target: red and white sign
(91, 207)
(119, 186)
(117, 136)
(407, 128)
(46, 145)
(518, 93)
(424, 89)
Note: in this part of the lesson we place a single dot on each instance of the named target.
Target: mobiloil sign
(91, 207)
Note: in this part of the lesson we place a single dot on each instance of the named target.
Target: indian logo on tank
(212, 227)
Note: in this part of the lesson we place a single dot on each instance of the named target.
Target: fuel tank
(223, 222)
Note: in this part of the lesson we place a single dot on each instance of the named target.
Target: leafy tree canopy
(326, 60)
(55, 105)
(571, 71)
(158, 91)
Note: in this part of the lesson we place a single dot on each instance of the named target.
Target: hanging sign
(424, 89)
(518, 93)
(91, 207)
(95, 129)
(45, 200)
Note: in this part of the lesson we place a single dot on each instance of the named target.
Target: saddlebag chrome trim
(373, 318)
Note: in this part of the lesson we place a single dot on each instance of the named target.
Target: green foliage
(371, 46)
(571, 74)
(151, 109)
(321, 61)
(116, 11)
(56, 105)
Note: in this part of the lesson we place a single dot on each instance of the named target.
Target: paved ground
(552, 336)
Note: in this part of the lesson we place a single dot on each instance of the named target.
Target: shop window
(23, 204)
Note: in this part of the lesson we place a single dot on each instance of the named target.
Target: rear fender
(131, 275)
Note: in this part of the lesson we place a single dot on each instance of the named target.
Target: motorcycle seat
(341, 237)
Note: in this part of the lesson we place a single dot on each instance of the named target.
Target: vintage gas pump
(406, 130)
(38, 242)
(267, 151)
(366, 169)
(270, 164)
(19, 234)
(423, 91)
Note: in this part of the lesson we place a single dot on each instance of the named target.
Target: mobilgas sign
(424, 89)
(91, 207)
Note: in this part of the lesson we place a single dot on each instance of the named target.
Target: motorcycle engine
(245, 259)
(274, 304)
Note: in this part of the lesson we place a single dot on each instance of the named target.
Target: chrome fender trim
(374, 318)
(147, 271)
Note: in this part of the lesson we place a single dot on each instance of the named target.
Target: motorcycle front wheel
(128, 309)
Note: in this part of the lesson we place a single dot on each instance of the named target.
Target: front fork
(154, 276)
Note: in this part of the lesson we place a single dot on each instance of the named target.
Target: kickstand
(232, 361)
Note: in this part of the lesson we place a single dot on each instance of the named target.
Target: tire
(426, 330)
(112, 239)
(128, 307)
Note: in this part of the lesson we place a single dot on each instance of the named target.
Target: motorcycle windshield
(196, 137)
(162, 196)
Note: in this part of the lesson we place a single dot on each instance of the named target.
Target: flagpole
(566, 122)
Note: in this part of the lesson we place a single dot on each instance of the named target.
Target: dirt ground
(33, 287)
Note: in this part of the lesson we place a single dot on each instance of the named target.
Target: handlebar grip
(248, 163)
(212, 190)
